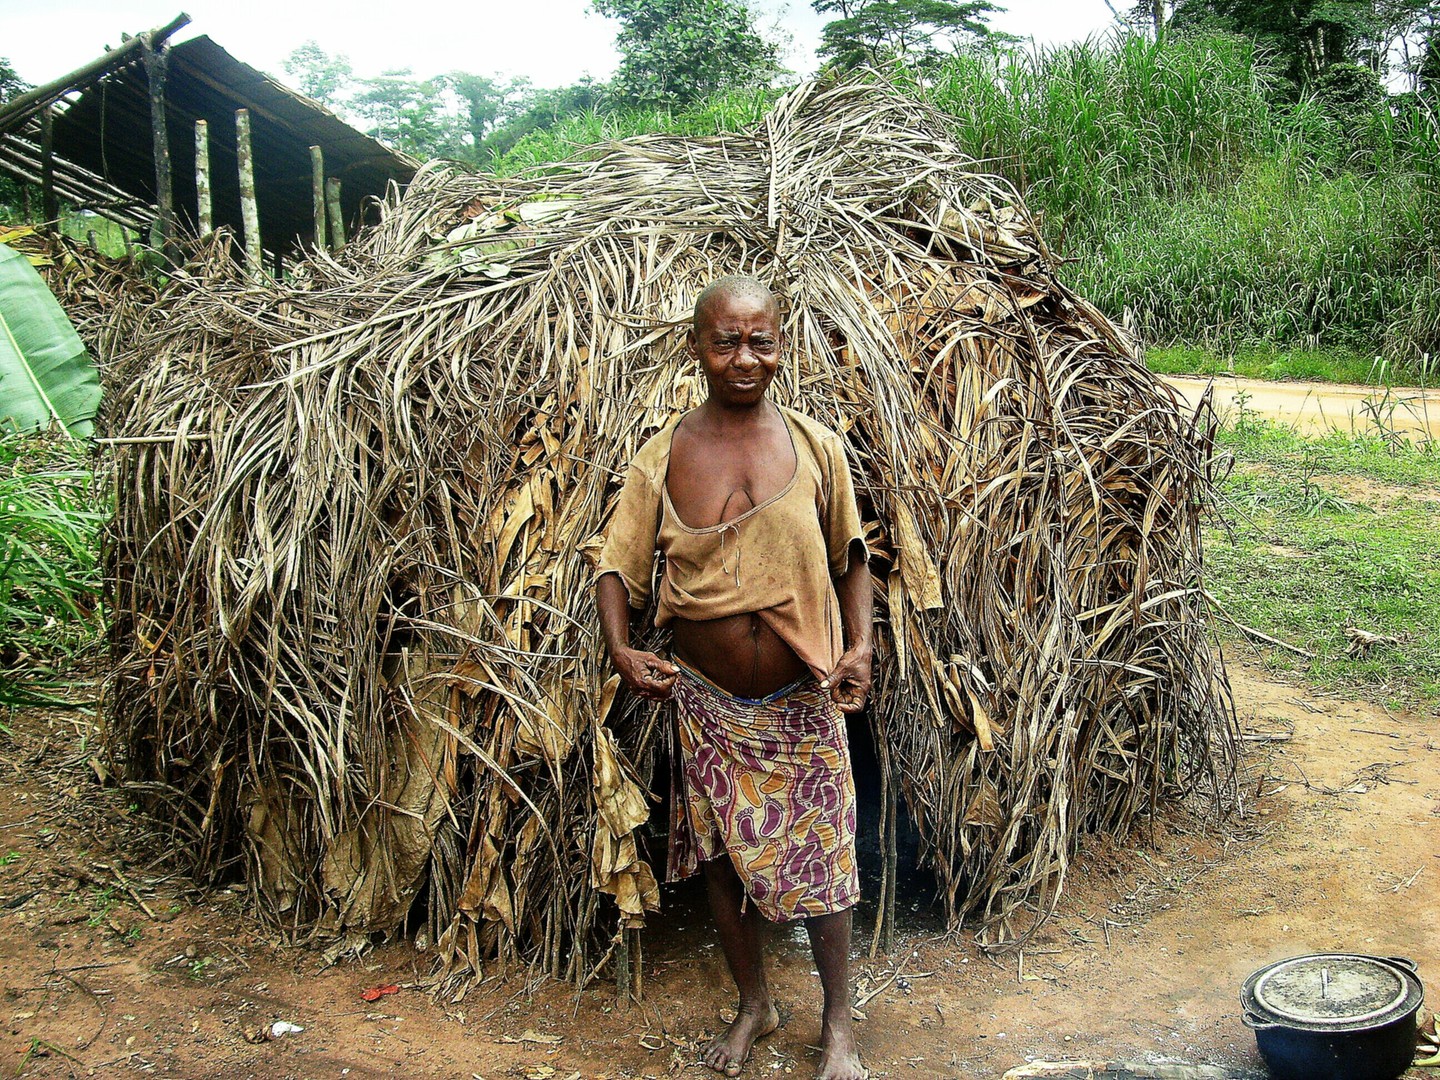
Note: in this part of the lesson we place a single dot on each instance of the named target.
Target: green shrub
(50, 521)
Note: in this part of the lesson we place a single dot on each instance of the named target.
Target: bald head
(739, 286)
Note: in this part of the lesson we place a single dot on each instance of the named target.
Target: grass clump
(50, 521)
(1331, 365)
(1328, 534)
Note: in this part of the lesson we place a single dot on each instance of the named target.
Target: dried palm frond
(351, 561)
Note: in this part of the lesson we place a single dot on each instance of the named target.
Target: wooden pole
(49, 205)
(156, 64)
(249, 209)
(204, 211)
(337, 218)
(622, 967)
(317, 193)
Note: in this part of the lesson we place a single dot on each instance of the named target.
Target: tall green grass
(50, 522)
(1088, 127)
(1337, 259)
(1203, 206)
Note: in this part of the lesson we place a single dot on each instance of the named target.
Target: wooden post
(337, 218)
(92, 240)
(156, 63)
(317, 193)
(622, 967)
(249, 210)
(637, 966)
(49, 205)
(204, 211)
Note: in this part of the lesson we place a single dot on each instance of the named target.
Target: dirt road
(1338, 848)
(1318, 408)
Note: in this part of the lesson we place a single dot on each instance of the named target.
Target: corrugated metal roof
(106, 131)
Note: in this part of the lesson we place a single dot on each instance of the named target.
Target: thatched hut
(356, 511)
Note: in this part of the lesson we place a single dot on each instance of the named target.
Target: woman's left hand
(849, 682)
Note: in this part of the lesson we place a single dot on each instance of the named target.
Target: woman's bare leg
(830, 942)
(741, 939)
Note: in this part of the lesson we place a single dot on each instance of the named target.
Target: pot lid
(1332, 989)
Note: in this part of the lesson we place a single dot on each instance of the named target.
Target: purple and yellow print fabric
(769, 783)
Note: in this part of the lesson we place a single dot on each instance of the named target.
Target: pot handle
(1255, 1021)
(1405, 962)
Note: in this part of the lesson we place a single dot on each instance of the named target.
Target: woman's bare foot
(729, 1052)
(839, 1056)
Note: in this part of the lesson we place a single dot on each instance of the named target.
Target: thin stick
(1250, 631)
(129, 888)
(143, 440)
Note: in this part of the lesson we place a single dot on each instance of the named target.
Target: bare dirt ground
(1320, 408)
(114, 965)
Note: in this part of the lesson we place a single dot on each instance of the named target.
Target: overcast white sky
(553, 42)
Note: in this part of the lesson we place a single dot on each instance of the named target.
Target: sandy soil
(1319, 408)
(1338, 848)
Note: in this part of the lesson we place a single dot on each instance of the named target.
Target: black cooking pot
(1334, 1016)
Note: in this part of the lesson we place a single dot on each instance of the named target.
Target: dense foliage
(1308, 37)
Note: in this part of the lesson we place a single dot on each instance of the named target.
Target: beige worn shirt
(778, 559)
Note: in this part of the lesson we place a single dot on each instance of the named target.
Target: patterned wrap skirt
(767, 782)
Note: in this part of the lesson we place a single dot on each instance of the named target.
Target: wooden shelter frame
(192, 82)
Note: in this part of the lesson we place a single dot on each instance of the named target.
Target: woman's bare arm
(643, 672)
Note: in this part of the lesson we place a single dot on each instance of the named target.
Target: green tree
(11, 85)
(408, 114)
(485, 104)
(319, 75)
(1149, 17)
(915, 32)
(12, 194)
(1311, 35)
(676, 52)
(540, 110)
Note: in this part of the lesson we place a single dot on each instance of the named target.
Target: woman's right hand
(650, 676)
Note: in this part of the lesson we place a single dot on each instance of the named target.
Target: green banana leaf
(46, 376)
